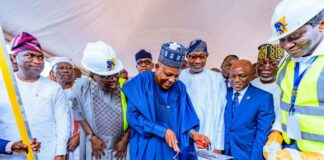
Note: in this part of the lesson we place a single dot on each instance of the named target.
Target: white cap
(290, 15)
(101, 59)
(56, 60)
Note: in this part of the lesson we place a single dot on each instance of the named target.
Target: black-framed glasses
(109, 77)
(146, 62)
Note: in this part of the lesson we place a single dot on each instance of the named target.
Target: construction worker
(298, 25)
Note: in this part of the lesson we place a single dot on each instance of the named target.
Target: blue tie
(235, 103)
(226, 82)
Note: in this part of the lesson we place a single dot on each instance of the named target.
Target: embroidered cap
(197, 45)
(25, 41)
(270, 51)
(172, 54)
(56, 60)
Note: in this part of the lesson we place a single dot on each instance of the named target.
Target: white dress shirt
(274, 89)
(47, 112)
(241, 92)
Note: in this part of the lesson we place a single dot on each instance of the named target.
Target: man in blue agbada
(163, 121)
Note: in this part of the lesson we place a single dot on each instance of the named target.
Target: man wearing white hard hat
(100, 106)
(62, 69)
(298, 25)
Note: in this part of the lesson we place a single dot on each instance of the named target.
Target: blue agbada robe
(151, 111)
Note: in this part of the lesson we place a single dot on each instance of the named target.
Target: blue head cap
(197, 45)
(142, 54)
(172, 54)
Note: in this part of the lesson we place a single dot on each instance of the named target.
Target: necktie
(235, 103)
(226, 83)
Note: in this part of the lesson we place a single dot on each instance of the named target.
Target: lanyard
(297, 79)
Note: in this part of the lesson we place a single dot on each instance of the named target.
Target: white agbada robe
(207, 92)
(75, 155)
(276, 92)
(48, 115)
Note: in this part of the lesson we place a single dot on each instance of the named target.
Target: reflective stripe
(282, 70)
(121, 82)
(308, 136)
(320, 87)
(304, 110)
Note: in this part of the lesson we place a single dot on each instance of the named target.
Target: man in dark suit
(249, 114)
(7, 147)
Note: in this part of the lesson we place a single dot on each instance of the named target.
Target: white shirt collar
(242, 92)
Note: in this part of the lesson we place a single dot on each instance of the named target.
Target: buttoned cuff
(277, 126)
(8, 147)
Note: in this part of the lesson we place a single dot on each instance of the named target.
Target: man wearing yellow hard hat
(298, 25)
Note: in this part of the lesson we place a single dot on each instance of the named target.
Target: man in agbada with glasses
(100, 106)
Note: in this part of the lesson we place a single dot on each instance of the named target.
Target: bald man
(249, 114)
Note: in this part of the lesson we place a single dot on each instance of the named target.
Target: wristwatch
(90, 136)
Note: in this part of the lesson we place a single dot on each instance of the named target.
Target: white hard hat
(56, 60)
(101, 59)
(289, 15)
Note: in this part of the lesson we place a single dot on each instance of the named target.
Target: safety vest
(121, 82)
(309, 104)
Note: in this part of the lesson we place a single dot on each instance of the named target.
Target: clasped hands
(20, 147)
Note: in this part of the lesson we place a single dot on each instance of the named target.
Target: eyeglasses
(110, 77)
(146, 62)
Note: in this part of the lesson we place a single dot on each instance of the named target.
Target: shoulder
(82, 82)
(214, 74)
(180, 85)
(259, 92)
(49, 83)
(184, 72)
(141, 77)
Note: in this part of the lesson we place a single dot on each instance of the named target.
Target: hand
(59, 158)
(273, 144)
(200, 140)
(19, 147)
(98, 147)
(121, 148)
(281, 154)
(171, 140)
(218, 151)
(35, 145)
(73, 142)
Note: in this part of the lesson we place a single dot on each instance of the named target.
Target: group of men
(171, 109)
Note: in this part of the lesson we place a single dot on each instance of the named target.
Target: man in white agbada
(100, 106)
(62, 69)
(207, 92)
(44, 102)
(268, 60)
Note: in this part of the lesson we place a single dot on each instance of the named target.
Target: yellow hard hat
(289, 15)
